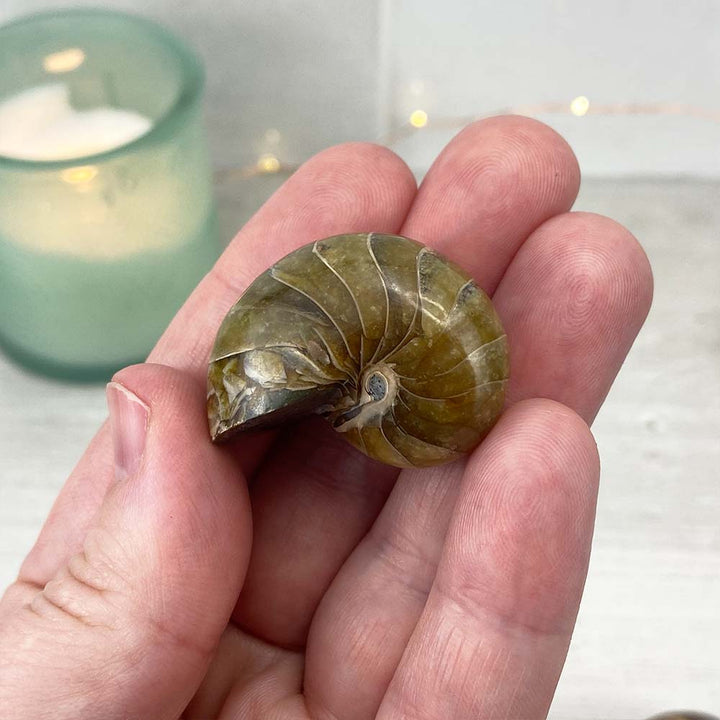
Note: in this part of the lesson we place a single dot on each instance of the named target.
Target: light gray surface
(649, 627)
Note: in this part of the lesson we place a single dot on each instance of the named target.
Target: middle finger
(489, 189)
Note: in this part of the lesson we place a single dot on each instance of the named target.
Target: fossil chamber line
(383, 281)
(235, 353)
(317, 302)
(387, 440)
(407, 338)
(400, 427)
(326, 262)
(425, 300)
(279, 347)
(451, 397)
(484, 346)
(333, 359)
(290, 310)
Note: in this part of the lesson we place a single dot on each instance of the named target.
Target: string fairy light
(268, 163)
(418, 118)
(579, 106)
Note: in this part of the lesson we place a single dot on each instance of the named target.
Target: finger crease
(408, 565)
(508, 623)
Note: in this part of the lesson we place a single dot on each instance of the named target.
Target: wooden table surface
(648, 633)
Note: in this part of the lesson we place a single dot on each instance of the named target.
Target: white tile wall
(321, 73)
(462, 59)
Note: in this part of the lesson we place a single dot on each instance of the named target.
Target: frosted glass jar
(97, 252)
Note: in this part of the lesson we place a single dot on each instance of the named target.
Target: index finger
(356, 187)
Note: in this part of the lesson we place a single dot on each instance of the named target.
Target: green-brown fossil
(398, 348)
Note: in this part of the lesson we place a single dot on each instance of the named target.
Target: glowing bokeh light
(268, 163)
(579, 106)
(418, 118)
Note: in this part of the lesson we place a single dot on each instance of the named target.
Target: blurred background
(635, 88)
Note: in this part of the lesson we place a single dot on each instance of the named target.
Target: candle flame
(79, 175)
(64, 61)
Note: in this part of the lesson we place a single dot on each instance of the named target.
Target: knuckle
(94, 586)
(97, 590)
(88, 590)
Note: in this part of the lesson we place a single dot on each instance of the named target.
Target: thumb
(127, 628)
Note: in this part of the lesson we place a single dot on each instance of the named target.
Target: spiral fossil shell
(398, 348)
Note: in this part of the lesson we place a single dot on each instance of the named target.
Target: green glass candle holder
(97, 252)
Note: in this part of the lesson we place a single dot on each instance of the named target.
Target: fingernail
(128, 424)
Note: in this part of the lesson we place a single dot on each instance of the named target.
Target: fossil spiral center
(376, 385)
(376, 394)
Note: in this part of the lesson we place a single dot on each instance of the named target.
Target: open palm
(287, 575)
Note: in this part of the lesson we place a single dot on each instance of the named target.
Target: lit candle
(106, 211)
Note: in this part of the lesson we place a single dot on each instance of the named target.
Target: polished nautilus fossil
(397, 347)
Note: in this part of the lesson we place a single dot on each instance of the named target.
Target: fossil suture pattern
(397, 347)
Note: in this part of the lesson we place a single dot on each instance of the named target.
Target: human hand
(289, 576)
